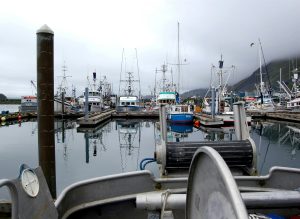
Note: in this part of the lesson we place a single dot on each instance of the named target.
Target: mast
(138, 71)
(178, 58)
(220, 90)
(260, 73)
(164, 70)
(121, 72)
(221, 62)
(63, 87)
(260, 69)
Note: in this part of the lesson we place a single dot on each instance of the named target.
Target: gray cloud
(92, 35)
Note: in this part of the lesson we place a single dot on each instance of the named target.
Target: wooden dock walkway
(285, 115)
(96, 118)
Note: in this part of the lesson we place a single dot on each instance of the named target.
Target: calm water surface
(119, 146)
(12, 108)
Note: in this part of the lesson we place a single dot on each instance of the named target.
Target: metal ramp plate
(212, 191)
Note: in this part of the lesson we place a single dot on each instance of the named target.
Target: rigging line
(226, 83)
(178, 59)
(138, 71)
(121, 71)
(210, 82)
(138, 152)
(172, 78)
(121, 156)
(264, 160)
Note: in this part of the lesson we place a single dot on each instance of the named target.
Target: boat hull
(181, 118)
(128, 108)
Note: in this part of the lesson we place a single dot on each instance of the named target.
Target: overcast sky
(90, 35)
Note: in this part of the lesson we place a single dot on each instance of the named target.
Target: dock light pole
(45, 97)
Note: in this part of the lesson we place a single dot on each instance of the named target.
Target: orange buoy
(197, 123)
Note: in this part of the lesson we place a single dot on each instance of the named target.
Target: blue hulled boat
(180, 114)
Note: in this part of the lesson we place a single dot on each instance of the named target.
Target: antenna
(178, 58)
(138, 71)
(64, 84)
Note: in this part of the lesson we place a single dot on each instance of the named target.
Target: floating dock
(96, 118)
(207, 120)
(17, 116)
(135, 114)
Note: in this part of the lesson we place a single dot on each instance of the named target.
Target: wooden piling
(45, 95)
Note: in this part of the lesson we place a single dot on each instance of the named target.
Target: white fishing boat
(64, 99)
(95, 101)
(264, 102)
(28, 104)
(220, 104)
(294, 93)
(294, 104)
(128, 101)
(129, 98)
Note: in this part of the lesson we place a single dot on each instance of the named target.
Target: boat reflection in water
(94, 139)
(218, 133)
(60, 127)
(278, 144)
(179, 132)
(129, 133)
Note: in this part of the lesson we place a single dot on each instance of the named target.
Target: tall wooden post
(45, 95)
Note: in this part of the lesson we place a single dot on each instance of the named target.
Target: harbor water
(12, 108)
(119, 146)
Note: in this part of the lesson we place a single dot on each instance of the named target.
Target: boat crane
(33, 84)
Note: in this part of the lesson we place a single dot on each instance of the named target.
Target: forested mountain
(248, 84)
(3, 97)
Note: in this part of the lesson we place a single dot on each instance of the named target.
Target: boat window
(184, 108)
(132, 103)
(127, 103)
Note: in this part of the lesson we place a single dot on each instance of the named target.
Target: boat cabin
(128, 101)
(181, 109)
(294, 104)
(167, 98)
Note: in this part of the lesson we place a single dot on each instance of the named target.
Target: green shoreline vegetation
(10, 101)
